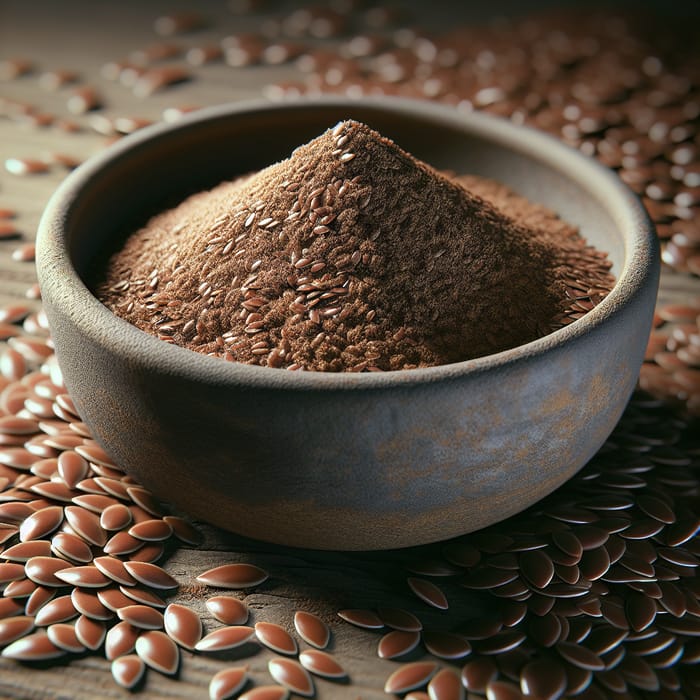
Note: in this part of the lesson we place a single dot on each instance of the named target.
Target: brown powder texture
(352, 255)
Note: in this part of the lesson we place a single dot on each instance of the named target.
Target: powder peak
(350, 255)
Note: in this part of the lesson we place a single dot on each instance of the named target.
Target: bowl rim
(65, 287)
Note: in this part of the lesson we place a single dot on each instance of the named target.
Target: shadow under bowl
(345, 461)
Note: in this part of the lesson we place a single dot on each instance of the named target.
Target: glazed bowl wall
(344, 461)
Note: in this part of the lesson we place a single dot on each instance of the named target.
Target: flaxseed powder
(352, 255)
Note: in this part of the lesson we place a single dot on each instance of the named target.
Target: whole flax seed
(352, 255)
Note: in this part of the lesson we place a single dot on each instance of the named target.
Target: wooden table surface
(83, 37)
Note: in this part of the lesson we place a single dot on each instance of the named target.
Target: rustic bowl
(345, 461)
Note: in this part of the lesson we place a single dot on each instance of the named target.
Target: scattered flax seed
(11, 68)
(234, 576)
(54, 79)
(312, 629)
(322, 664)
(276, 638)
(228, 637)
(155, 79)
(25, 166)
(84, 99)
(291, 674)
(178, 23)
(128, 670)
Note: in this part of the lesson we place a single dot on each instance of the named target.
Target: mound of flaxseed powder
(352, 255)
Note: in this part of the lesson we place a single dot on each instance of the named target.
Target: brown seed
(543, 678)
(114, 487)
(54, 491)
(83, 99)
(41, 523)
(321, 664)
(91, 633)
(94, 502)
(410, 677)
(14, 511)
(69, 546)
(8, 230)
(113, 599)
(24, 253)
(312, 629)
(291, 674)
(128, 670)
(72, 468)
(446, 645)
(84, 577)
(155, 79)
(183, 530)
(225, 638)
(361, 618)
(9, 607)
(64, 637)
(276, 638)
(400, 619)
(21, 588)
(446, 685)
(594, 563)
(143, 596)
(265, 692)
(182, 625)
(39, 597)
(25, 166)
(227, 682)
(122, 544)
(120, 640)
(85, 524)
(545, 630)
(478, 673)
(150, 575)
(42, 570)
(88, 603)
(428, 592)
(57, 610)
(580, 656)
(397, 643)
(114, 569)
(537, 568)
(141, 616)
(151, 530)
(13, 628)
(33, 647)
(501, 643)
(488, 577)
(148, 553)
(640, 611)
(94, 454)
(672, 599)
(158, 651)
(230, 611)
(502, 690)
(144, 498)
(234, 576)
(23, 551)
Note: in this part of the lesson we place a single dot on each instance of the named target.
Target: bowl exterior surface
(347, 462)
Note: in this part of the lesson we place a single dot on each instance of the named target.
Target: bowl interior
(156, 168)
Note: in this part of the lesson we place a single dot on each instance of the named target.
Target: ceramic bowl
(345, 461)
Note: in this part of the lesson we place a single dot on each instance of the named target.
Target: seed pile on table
(591, 594)
(322, 262)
